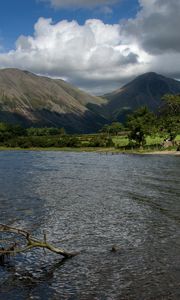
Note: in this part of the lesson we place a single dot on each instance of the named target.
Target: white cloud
(79, 3)
(100, 57)
(91, 52)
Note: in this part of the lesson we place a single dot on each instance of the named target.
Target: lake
(89, 202)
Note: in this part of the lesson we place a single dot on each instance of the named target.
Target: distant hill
(146, 89)
(33, 100)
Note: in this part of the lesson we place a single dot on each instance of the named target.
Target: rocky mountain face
(33, 100)
(145, 90)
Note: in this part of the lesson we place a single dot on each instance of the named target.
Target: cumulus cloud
(78, 3)
(80, 53)
(101, 57)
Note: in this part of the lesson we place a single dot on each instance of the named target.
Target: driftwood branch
(31, 243)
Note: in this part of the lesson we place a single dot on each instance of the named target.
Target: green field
(122, 141)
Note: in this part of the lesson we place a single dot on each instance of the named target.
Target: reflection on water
(89, 202)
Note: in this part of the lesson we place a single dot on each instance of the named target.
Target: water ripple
(90, 202)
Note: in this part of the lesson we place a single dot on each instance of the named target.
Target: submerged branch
(31, 243)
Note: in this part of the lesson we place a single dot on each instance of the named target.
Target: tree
(171, 104)
(4, 132)
(169, 121)
(140, 123)
(116, 127)
(18, 130)
(112, 129)
(62, 131)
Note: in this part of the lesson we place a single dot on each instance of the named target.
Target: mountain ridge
(39, 100)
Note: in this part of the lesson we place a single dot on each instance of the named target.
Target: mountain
(146, 89)
(33, 100)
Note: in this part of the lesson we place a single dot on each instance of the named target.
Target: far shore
(97, 150)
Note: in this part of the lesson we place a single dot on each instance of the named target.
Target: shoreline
(163, 152)
(96, 150)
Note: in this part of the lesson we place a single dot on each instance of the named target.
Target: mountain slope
(146, 89)
(40, 101)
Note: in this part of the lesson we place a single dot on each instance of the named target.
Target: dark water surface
(89, 202)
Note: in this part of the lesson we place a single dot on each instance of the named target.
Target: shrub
(101, 141)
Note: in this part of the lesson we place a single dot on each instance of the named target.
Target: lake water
(89, 202)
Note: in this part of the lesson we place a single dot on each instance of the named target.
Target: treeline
(19, 137)
(140, 124)
(9, 131)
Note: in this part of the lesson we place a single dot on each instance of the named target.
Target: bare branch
(31, 242)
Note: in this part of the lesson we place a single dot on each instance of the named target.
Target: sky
(97, 45)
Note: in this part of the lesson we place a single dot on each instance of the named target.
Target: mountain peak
(150, 76)
(145, 90)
